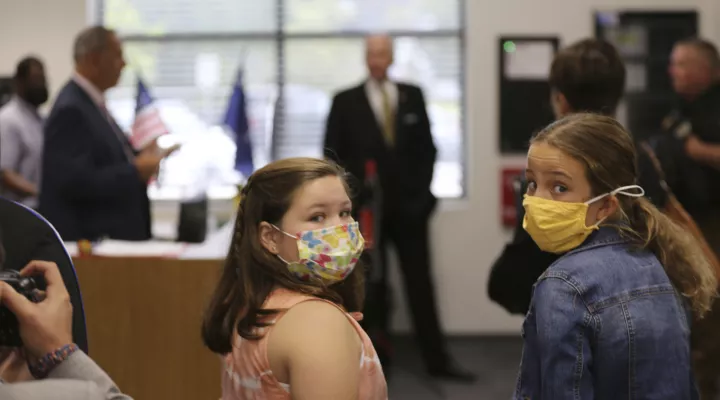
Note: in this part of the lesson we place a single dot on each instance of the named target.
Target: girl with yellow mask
(610, 318)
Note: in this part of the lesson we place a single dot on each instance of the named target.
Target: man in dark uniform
(691, 156)
(587, 76)
(387, 122)
(694, 125)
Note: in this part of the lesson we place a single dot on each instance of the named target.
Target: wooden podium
(144, 318)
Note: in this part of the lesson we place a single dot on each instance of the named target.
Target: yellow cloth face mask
(558, 227)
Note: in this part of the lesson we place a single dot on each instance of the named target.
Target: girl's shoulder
(284, 299)
(299, 312)
(281, 298)
(310, 322)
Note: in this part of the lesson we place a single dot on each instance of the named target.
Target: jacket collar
(708, 97)
(605, 236)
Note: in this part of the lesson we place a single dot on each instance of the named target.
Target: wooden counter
(143, 318)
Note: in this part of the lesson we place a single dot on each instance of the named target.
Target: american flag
(148, 125)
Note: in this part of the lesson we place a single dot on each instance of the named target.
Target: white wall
(45, 28)
(467, 233)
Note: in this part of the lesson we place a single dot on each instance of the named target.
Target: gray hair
(91, 40)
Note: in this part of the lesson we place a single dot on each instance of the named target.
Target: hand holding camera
(9, 328)
(45, 324)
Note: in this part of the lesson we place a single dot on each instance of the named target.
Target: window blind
(296, 54)
(163, 17)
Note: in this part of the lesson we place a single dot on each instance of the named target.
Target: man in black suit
(387, 122)
(94, 185)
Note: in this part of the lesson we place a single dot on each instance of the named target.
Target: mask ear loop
(283, 232)
(625, 191)
(286, 234)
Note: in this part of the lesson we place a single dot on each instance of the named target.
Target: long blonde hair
(608, 153)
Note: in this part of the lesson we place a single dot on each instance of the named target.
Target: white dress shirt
(95, 94)
(21, 146)
(373, 90)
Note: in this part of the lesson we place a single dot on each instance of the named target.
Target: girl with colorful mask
(281, 313)
(610, 318)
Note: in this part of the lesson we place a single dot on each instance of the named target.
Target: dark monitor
(524, 90)
(192, 227)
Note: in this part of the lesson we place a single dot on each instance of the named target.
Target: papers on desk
(119, 248)
(215, 247)
(71, 248)
(115, 248)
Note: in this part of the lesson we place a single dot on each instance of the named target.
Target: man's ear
(269, 237)
(562, 106)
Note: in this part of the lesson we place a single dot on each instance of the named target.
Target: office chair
(27, 236)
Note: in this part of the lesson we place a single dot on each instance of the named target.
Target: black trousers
(410, 237)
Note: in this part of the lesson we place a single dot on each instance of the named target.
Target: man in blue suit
(94, 185)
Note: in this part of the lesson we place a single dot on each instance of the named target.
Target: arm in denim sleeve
(563, 327)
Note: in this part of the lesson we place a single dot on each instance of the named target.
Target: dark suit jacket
(353, 136)
(89, 188)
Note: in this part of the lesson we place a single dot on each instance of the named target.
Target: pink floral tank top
(246, 371)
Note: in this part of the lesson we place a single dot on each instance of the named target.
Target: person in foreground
(587, 76)
(280, 315)
(610, 318)
(62, 371)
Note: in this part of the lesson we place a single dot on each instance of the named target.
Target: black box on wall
(523, 89)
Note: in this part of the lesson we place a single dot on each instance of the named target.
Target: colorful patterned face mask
(329, 254)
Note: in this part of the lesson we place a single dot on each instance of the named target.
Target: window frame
(96, 9)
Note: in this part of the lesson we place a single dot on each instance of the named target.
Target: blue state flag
(237, 120)
(143, 99)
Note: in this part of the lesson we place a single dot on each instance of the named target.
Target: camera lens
(25, 284)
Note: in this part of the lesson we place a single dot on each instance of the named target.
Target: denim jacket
(606, 323)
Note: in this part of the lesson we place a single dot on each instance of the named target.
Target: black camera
(9, 328)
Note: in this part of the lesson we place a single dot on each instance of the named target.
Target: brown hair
(608, 153)
(251, 272)
(591, 76)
